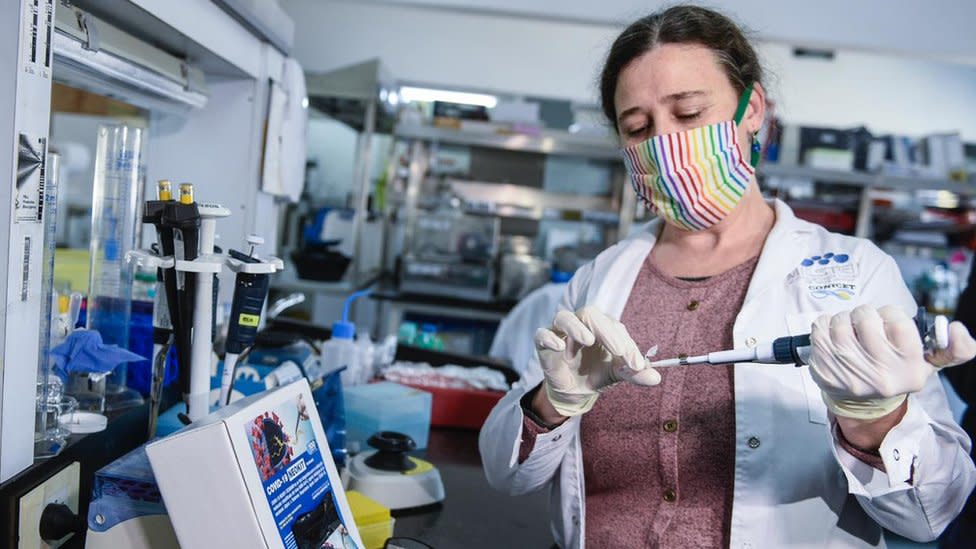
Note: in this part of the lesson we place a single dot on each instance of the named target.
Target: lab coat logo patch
(827, 276)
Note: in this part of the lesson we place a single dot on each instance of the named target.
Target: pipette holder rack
(207, 262)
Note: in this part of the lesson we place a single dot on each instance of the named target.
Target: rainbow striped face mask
(694, 178)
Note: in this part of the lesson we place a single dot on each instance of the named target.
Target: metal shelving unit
(516, 201)
(867, 182)
(615, 211)
(549, 142)
(874, 180)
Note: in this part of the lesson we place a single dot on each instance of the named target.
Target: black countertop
(473, 515)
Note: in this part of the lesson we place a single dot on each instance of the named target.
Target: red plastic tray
(460, 408)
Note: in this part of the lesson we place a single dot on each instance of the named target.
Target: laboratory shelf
(288, 280)
(550, 142)
(516, 201)
(863, 179)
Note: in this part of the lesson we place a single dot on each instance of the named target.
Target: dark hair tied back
(681, 25)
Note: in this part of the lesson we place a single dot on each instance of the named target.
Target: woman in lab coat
(745, 455)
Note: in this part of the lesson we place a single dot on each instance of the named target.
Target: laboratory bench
(473, 515)
(126, 430)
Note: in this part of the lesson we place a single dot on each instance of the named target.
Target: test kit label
(295, 478)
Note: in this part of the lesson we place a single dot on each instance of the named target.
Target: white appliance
(393, 478)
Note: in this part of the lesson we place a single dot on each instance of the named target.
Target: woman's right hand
(584, 353)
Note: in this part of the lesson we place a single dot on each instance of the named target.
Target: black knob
(391, 452)
(58, 520)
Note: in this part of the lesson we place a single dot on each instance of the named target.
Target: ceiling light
(409, 93)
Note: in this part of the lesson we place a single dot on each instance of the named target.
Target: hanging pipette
(796, 349)
(250, 292)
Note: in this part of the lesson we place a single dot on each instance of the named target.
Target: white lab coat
(515, 339)
(794, 485)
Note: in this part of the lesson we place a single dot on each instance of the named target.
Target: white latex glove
(583, 354)
(867, 361)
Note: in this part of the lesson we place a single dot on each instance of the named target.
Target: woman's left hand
(868, 360)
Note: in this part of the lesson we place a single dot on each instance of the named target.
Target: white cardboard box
(252, 475)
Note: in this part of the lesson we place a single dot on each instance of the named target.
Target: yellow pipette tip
(164, 190)
(186, 193)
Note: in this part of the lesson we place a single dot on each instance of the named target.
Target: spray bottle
(341, 349)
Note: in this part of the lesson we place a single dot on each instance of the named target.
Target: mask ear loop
(740, 112)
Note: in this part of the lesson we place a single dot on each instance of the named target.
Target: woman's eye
(637, 132)
(689, 116)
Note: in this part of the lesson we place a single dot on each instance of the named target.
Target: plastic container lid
(81, 423)
(343, 330)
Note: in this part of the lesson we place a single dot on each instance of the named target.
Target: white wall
(489, 52)
(332, 145)
(884, 93)
(941, 29)
(561, 59)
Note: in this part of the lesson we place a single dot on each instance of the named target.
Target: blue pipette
(796, 349)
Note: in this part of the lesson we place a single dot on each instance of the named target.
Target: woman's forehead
(670, 70)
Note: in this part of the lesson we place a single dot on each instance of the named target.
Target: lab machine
(452, 254)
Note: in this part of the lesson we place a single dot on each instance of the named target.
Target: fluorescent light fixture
(410, 93)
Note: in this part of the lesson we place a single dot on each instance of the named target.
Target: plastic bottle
(341, 350)
(367, 357)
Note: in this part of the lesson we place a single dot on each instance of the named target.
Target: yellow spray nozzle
(186, 193)
(165, 190)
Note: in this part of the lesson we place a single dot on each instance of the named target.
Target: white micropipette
(796, 349)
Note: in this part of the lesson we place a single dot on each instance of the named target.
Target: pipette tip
(665, 363)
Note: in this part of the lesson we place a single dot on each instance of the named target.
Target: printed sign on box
(262, 464)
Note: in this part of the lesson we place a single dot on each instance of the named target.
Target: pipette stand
(205, 266)
(198, 401)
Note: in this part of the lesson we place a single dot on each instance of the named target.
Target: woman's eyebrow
(626, 113)
(675, 97)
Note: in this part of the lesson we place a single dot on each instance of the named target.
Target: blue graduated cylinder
(139, 376)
